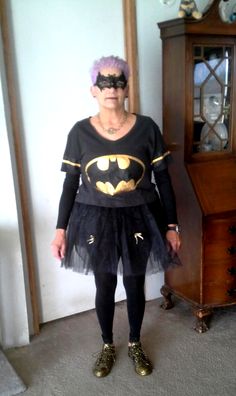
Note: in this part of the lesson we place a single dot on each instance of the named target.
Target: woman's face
(110, 88)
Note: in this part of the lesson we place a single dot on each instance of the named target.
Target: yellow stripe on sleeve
(161, 157)
(71, 163)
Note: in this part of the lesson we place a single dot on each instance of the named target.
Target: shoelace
(138, 354)
(108, 353)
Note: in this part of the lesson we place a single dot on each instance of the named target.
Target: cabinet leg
(167, 303)
(203, 318)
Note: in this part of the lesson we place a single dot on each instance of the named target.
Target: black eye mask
(111, 81)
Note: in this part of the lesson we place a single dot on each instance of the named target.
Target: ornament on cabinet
(227, 10)
(188, 8)
(214, 138)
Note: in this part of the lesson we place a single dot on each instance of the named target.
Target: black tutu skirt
(117, 240)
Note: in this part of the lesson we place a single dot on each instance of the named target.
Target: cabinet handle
(232, 271)
(231, 292)
(232, 229)
(231, 250)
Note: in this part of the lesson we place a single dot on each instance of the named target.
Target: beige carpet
(58, 362)
(10, 383)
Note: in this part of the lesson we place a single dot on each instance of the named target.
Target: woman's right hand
(58, 245)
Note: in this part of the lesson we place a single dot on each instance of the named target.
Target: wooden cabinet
(199, 125)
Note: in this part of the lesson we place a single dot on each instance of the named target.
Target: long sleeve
(69, 191)
(167, 195)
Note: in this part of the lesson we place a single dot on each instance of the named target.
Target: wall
(149, 14)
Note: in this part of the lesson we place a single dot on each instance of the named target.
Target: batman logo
(115, 174)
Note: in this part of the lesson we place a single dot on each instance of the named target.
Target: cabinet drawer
(219, 292)
(220, 229)
(220, 273)
(219, 283)
(222, 250)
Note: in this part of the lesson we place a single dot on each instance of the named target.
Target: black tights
(105, 304)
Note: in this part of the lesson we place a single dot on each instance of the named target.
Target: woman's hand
(58, 244)
(173, 238)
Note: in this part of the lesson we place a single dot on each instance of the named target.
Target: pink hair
(109, 61)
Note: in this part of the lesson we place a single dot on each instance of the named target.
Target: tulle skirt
(117, 240)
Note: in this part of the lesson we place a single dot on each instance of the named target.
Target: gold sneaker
(142, 364)
(105, 361)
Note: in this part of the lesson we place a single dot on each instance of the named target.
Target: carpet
(10, 383)
(59, 361)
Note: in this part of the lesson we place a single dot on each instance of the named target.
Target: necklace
(111, 130)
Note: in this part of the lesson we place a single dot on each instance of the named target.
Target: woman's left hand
(173, 238)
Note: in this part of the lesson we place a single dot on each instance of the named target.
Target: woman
(113, 209)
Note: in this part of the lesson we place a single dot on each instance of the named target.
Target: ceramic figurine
(188, 8)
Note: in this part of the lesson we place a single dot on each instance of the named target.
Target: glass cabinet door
(212, 74)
